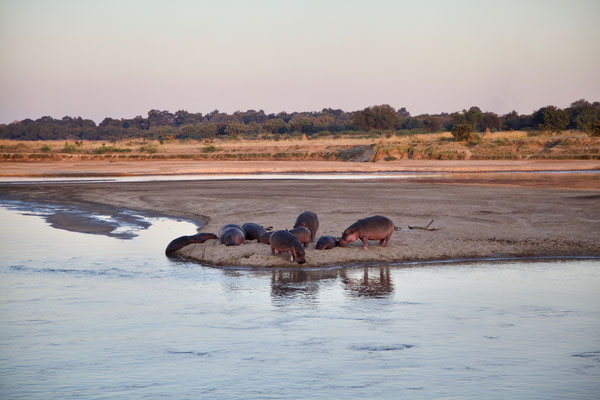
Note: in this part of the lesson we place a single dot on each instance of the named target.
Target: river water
(91, 316)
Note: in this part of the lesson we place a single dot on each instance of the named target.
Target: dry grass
(438, 146)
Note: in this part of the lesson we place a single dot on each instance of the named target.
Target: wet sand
(487, 218)
(75, 168)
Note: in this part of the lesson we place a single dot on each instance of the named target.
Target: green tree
(376, 117)
(550, 119)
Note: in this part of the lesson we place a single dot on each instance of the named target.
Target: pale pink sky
(122, 58)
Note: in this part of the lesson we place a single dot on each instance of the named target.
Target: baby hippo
(303, 235)
(232, 235)
(265, 238)
(284, 242)
(183, 241)
(326, 242)
(371, 228)
(309, 220)
(253, 231)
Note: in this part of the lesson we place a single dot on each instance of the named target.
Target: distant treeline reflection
(161, 125)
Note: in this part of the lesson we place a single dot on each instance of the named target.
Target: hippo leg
(273, 250)
(387, 240)
(365, 242)
(381, 241)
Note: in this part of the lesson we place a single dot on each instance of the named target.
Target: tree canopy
(581, 115)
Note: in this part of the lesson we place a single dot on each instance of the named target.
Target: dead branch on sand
(425, 228)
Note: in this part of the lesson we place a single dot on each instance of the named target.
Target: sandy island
(511, 215)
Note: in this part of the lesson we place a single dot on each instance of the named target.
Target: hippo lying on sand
(286, 242)
(309, 220)
(183, 241)
(253, 231)
(326, 242)
(232, 235)
(371, 228)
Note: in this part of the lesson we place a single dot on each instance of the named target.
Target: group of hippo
(294, 241)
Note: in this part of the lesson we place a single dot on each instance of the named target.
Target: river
(98, 317)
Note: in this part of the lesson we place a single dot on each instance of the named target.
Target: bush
(462, 132)
(69, 148)
(594, 128)
(210, 149)
(148, 149)
(45, 148)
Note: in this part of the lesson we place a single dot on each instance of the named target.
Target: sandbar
(481, 217)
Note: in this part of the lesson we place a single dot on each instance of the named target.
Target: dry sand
(486, 218)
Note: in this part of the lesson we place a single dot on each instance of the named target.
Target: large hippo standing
(326, 242)
(232, 235)
(286, 242)
(371, 228)
(309, 220)
(303, 235)
(183, 241)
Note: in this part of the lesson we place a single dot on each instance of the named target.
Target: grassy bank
(514, 145)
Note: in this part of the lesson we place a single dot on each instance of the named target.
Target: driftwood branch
(425, 228)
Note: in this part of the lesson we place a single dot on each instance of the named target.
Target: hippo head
(349, 235)
(265, 238)
(299, 252)
(233, 239)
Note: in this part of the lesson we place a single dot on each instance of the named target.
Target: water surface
(91, 316)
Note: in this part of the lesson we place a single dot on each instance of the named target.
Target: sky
(119, 59)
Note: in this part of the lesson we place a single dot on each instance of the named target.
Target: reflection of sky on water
(112, 318)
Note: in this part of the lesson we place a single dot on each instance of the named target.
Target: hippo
(283, 242)
(326, 242)
(183, 241)
(265, 238)
(303, 235)
(371, 228)
(309, 220)
(253, 231)
(232, 235)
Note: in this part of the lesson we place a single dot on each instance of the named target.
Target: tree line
(580, 115)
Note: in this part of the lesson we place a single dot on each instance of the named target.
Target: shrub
(210, 149)
(462, 132)
(69, 148)
(45, 148)
(149, 149)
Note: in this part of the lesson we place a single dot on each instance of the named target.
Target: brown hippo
(303, 235)
(265, 238)
(371, 228)
(284, 242)
(253, 231)
(309, 220)
(232, 235)
(183, 241)
(326, 242)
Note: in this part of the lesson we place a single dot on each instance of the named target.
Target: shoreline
(481, 220)
(399, 264)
